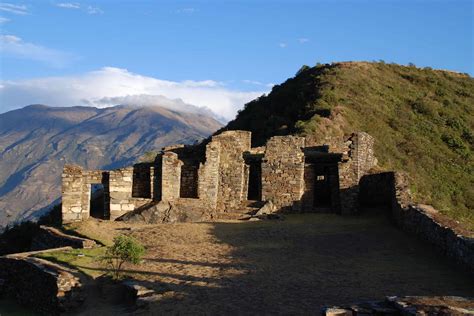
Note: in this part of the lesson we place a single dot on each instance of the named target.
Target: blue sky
(235, 48)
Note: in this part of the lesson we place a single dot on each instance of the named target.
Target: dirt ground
(293, 266)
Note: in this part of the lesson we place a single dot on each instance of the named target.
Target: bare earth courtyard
(274, 267)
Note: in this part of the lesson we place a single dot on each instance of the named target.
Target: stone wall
(283, 172)
(46, 287)
(76, 192)
(359, 161)
(231, 168)
(120, 188)
(422, 220)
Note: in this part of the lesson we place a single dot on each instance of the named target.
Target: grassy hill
(422, 119)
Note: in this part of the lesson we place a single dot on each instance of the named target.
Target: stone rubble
(406, 306)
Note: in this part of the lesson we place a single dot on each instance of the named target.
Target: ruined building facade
(229, 175)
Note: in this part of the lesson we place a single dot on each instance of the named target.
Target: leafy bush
(125, 249)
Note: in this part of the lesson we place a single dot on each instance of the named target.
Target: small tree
(124, 249)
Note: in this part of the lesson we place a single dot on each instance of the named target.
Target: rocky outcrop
(50, 237)
(184, 210)
(47, 287)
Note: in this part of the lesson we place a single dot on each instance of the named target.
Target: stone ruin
(226, 176)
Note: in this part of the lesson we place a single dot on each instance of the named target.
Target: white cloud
(282, 45)
(3, 20)
(110, 86)
(94, 10)
(69, 5)
(14, 8)
(187, 10)
(303, 40)
(258, 83)
(13, 46)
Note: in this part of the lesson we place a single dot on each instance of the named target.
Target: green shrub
(125, 249)
(453, 142)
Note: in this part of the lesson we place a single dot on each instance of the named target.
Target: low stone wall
(49, 237)
(46, 287)
(422, 220)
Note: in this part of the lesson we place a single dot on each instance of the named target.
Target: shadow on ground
(291, 267)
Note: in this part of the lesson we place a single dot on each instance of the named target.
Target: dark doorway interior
(322, 187)
(97, 208)
(255, 181)
(141, 185)
(189, 181)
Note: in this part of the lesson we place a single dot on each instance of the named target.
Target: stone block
(76, 209)
(115, 207)
(128, 207)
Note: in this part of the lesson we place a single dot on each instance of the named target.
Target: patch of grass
(422, 120)
(91, 229)
(85, 260)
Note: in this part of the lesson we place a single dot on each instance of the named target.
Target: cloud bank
(111, 86)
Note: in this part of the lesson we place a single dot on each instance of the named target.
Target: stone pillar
(231, 168)
(120, 189)
(152, 182)
(72, 194)
(283, 172)
(170, 176)
(209, 175)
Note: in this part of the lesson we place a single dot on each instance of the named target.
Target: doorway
(189, 181)
(255, 181)
(97, 201)
(322, 187)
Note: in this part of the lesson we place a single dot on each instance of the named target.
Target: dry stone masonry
(224, 177)
(60, 288)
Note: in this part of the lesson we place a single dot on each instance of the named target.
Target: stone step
(253, 204)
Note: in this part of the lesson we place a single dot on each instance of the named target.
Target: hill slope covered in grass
(422, 119)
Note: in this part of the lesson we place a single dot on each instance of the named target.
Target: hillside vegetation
(422, 119)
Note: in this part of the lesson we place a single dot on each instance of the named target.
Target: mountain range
(36, 141)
